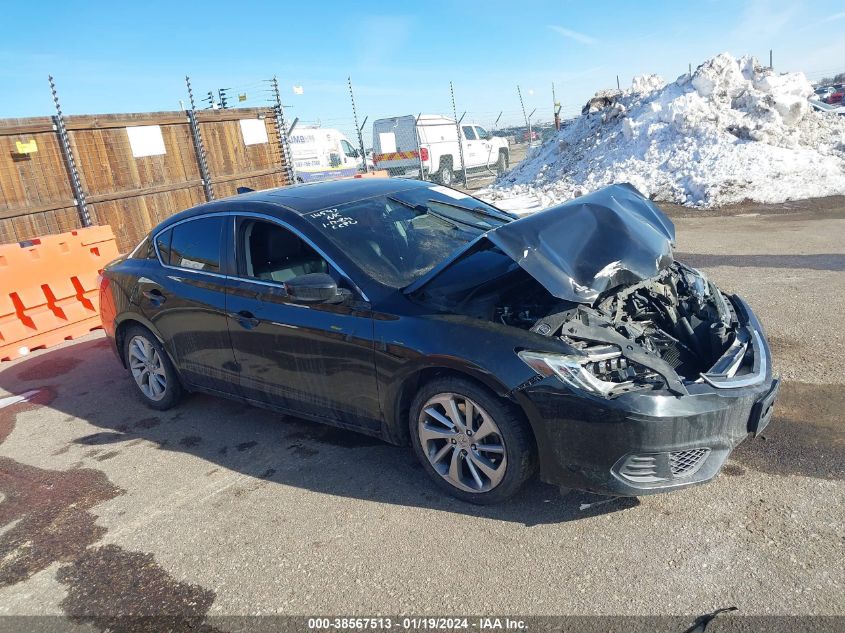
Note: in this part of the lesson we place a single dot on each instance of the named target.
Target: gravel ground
(216, 508)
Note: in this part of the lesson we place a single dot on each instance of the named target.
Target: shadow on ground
(90, 385)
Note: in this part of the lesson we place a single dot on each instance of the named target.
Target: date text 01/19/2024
(410, 623)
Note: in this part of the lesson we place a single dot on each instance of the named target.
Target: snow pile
(731, 131)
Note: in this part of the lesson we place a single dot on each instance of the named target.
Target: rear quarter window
(163, 246)
(144, 250)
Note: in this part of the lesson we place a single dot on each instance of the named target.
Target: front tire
(152, 373)
(472, 444)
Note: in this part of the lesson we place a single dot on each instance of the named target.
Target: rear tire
(486, 465)
(445, 175)
(502, 163)
(153, 375)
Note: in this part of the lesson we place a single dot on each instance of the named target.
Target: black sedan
(568, 341)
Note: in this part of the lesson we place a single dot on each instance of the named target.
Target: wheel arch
(123, 323)
(401, 396)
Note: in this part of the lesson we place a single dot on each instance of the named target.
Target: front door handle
(155, 296)
(245, 318)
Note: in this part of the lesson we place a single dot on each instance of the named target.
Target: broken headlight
(601, 370)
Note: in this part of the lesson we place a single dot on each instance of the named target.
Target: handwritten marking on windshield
(333, 219)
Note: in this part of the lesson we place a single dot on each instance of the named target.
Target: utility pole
(555, 108)
(771, 63)
(530, 131)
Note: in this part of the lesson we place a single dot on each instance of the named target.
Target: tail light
(102, 282)
(424, 153)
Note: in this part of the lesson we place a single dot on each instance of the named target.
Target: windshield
(399, 237)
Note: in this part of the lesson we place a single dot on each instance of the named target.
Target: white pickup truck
(406, 145)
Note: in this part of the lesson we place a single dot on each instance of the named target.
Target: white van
(321, 153)
(396, 141)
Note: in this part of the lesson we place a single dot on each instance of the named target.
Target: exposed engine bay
(598, 274)
(678, 316)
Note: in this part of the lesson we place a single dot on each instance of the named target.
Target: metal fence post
(458, 129)
(522, 105)
(198, 146)
(358, 129)
(282, 132)
(419, 145)
(70, 163)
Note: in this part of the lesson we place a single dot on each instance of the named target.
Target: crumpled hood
(577, 250)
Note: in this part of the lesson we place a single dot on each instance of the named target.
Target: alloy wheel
(147, 368)
(462, 442)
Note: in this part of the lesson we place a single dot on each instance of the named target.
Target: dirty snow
(731, 131)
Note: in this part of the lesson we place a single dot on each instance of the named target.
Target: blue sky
(118, 57)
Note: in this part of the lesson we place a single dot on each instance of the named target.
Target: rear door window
(469, 133)
(195, 245)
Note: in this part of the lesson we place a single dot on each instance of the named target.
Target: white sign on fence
(146, 140)
(254, 131)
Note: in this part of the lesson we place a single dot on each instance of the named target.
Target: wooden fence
(131, 179)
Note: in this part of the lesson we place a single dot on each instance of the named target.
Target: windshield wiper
(475, 210)
(456, 222)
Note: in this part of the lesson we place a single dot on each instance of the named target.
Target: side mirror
(315, 288)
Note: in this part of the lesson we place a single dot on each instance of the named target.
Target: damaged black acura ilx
(568, 341)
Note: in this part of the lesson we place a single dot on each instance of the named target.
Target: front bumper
(648, 442)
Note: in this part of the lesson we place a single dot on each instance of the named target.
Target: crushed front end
(645, 374)
(667, 377)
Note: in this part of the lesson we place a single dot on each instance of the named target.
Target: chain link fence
(447, 144)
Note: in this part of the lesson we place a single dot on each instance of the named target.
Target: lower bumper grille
(683, 463)
(648, 468)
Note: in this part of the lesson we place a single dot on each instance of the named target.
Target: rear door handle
(246, 319)
(155, 296)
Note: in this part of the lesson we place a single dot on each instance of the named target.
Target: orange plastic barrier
(48, 288)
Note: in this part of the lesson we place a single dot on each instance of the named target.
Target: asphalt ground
(214, 508)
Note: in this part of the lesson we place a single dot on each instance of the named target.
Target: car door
(184, 297)
(472, 148)
(485, 147)
(351, 157)
(311, 358)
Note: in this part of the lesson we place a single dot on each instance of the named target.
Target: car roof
(308, 197)
(305, 198)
